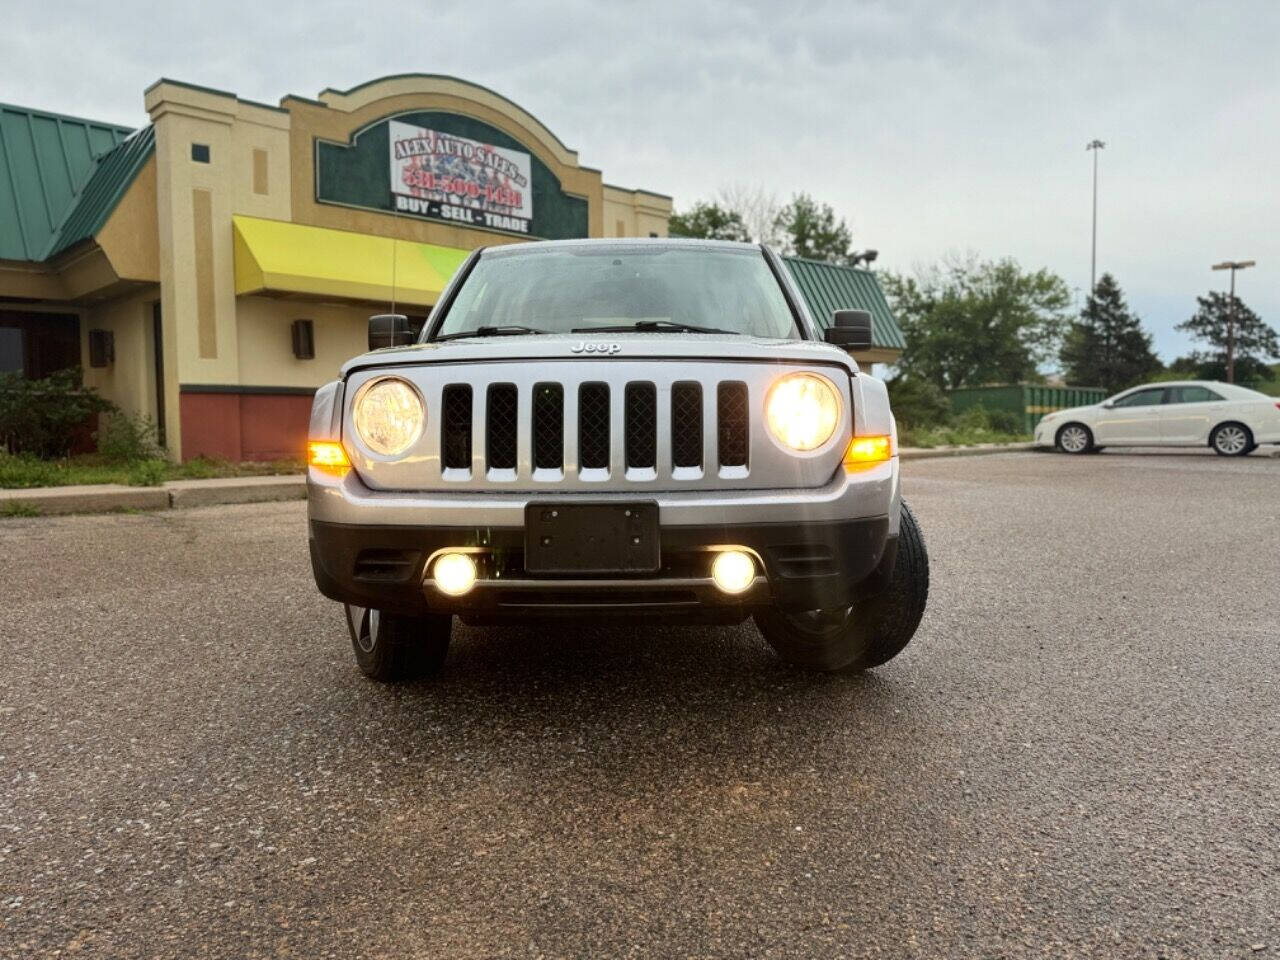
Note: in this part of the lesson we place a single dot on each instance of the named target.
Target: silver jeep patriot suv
(636, 428)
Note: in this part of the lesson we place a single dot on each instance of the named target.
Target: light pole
(1094, 146)
(1233, 266)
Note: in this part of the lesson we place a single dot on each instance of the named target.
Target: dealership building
(214, 267)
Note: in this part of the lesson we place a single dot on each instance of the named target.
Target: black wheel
(390, 647)
(1231, 440)
(869, 633)
(1074, 438)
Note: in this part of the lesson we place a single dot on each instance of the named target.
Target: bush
(917, 403)
(1006, 421)
(42, 417)
(124, 438)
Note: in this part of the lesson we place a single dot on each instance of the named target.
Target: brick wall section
(244, 426)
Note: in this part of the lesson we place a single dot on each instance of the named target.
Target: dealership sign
(442, 176)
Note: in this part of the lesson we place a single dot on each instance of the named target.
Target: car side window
(1142, 398)
(1193, 395)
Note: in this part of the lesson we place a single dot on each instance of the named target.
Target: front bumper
(805, 567)
(823, 547)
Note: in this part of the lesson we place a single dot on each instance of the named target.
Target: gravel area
(1079, 755)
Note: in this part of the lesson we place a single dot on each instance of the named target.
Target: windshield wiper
(505, 330)
(654, 326)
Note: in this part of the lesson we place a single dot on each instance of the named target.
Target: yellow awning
(275, 256)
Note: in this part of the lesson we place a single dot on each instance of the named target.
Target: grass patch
(957, 436)
(18, 472)
(16, 508)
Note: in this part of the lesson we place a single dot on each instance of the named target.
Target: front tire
(392, 648)
(1074, 438)
(867, 634)
(1231, 440)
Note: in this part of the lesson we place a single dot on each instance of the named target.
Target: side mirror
(389, 330)
(850, 329)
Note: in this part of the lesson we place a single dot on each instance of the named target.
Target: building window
(10, 350)
(621, 229)
(200, 152)
(35, 345)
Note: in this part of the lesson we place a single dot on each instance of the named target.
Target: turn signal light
(327, 455)
(864, 450)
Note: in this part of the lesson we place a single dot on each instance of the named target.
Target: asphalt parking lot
(1079, 755)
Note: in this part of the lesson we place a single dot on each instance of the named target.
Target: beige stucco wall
(129, 382)
(266, 345)
(635, 213)
(194, 203)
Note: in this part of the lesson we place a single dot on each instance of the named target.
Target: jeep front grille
(600, 426)
(546, 415)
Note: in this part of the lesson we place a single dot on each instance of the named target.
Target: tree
(810, 229)
(969, 322)
(757, 207)
(1255, 342)
(1107, 347)
(707, 221)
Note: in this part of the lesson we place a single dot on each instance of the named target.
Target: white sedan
(1232, 420)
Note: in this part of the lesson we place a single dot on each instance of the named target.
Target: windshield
(564, 290)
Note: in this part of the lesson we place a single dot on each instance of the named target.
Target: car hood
(1073, 411)
(621, 346)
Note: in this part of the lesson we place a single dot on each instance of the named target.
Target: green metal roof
(46, 160)
(828, 287)
(111, 178)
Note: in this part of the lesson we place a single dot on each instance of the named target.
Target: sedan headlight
(389, 416)
(802, 410)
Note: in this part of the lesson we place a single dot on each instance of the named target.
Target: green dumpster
(1030, 401)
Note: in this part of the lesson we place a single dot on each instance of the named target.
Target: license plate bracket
(592, 538)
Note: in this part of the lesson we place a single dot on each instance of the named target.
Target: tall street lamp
(1233, 266)
(1094, 146)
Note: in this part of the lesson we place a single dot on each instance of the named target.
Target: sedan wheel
(1231, 440)
(1074, 438)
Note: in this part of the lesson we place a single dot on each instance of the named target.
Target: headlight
(802, 410)
(389, 416)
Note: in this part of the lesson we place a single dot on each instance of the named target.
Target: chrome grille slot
(501, 430)
(548, 426)
(593, 426)
(732, 425)
(686, 424)
(641, 429)
(455, 427)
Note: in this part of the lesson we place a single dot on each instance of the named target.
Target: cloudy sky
(933, 127)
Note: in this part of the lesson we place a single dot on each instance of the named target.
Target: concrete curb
(928, 453)
(176, 494)
(97, 498)
(205, 493)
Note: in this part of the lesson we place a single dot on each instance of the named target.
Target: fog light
(733, 571)
(454, 573)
